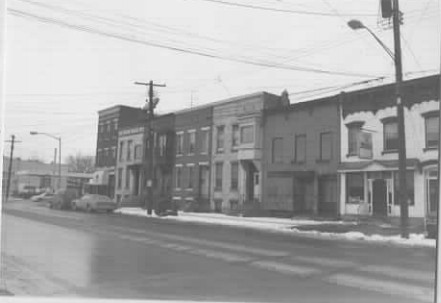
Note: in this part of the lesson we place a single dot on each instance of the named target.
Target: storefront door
(379, 197)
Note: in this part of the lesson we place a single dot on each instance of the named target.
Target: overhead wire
(44, 19)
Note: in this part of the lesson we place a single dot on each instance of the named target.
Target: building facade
(129, 163)
(301, 158)
(110, 121)
(236, 157)
(191, 185)
(369, 145)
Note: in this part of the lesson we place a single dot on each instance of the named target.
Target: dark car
(62, 199)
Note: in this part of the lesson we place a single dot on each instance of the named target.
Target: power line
(83, 28)
(298, 12)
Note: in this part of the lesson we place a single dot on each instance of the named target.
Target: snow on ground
(286, 226)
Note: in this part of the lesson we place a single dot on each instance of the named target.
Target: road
(72, 254)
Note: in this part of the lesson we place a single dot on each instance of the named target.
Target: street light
(396, 57)
(59, 152)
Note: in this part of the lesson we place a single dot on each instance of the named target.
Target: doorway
(379, 197)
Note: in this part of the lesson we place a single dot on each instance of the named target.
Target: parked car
(93, 202)
(62, 199)
(42, 197)
(27, 191)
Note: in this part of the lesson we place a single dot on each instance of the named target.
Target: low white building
(369, 149)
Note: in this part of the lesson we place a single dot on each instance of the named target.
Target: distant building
(369, 149)
(33, 175)
(110, 121)
(301, 157)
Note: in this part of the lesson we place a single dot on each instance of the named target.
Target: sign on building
(365, 145)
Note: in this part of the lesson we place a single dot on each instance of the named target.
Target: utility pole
(149, 150)
(8, 184)
(404, 207)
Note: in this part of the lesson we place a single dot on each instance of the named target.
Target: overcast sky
(67, 59)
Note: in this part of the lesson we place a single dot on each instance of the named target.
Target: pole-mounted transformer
(386, 8)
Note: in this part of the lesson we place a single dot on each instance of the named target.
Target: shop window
(354, 188)
(409, 186)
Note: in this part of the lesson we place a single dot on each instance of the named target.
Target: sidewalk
(369, 231)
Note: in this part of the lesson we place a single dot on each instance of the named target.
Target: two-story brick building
(237, 151)
(110, 121)
(369, 149)
(191, 189)
(301, 156)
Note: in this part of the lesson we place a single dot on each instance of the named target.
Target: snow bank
(286, 226)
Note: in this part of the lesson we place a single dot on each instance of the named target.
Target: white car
(42, 197)
(92, 202)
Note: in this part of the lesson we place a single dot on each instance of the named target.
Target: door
(203, 181)
(379, 197)
(432, 195)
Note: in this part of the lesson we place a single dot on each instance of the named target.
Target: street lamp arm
(384, 46)
(46, 134)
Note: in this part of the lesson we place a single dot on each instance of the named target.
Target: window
(326, 146)
(277, 150)
(219, 172)
(120, 173)
(234, 175)
(204, 141)
(300, 148)
(235, 136)
(432, 131)
(354, 187)
(220, 138)
(113, 153)
(354, 130)
(162, 144)
(129, 149)
(178, 177)
(247, 134)
(138, 152)
(121, 148)
(179, 143)
(191, 142)
(432, 192)
(409, 187)
(390, 134)
(190, 177)
(127, 178)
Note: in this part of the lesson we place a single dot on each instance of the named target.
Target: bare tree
(80, 163)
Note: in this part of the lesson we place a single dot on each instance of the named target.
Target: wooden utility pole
(8, 184)
(149, 150)
(402, 185)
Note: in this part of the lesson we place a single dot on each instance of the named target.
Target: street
(73, 254)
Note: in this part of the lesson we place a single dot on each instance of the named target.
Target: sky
(68, 59)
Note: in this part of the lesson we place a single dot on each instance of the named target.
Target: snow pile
(286, 226)
(414, 239)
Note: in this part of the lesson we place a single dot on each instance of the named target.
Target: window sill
(389, 151)
(430, 148)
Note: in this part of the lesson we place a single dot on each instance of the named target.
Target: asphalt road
(63, 253)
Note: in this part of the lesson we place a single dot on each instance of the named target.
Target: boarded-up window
(247, 134)
(326, 146)
(300, 148)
